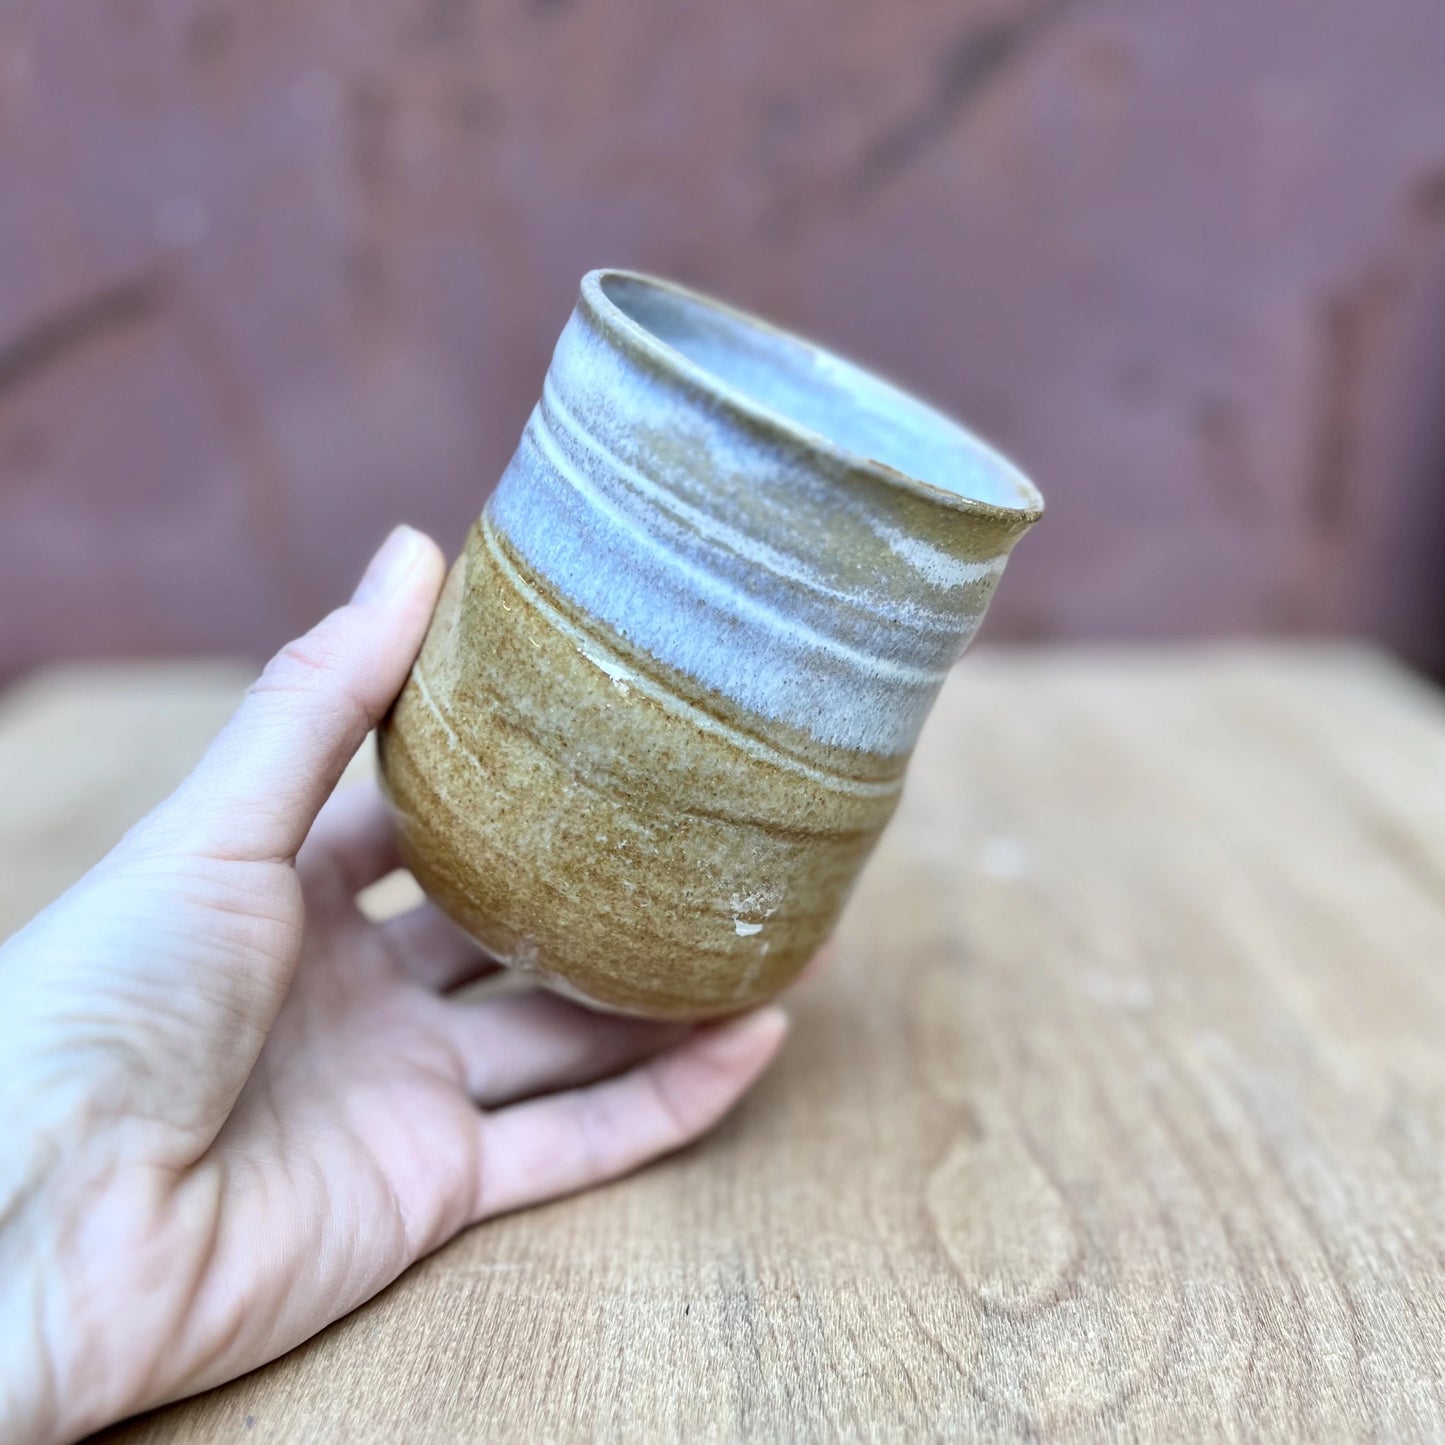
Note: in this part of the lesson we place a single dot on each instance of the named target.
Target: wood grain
(1120, 1116)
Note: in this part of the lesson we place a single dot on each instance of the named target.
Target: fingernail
(739, 1033)
(388, 571)
(774, 1019)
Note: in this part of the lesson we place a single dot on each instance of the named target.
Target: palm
(352, 1150)
(244, 1108)
(356, 1144)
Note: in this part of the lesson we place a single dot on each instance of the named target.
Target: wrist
(58, 1380)
(30, 1403)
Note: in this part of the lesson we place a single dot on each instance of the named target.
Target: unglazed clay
(665, 706)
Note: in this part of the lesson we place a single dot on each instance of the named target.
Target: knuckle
(316, 666)
(301, 665)
(595, 1138)
(679, 1115)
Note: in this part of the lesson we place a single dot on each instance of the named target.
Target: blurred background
(277, 274)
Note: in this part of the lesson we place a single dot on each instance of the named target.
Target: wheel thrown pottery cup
(665, 706)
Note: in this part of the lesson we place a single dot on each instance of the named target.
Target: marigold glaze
(665, 706)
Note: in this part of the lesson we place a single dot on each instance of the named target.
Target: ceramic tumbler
(665, 706)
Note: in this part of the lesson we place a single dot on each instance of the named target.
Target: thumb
(260, 785)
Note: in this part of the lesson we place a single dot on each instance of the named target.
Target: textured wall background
(275, 274)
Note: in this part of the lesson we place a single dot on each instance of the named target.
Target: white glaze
(633, 536)
(598, 654)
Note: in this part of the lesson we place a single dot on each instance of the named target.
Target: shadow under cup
(665, 706)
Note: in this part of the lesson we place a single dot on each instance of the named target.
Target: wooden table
(1121, 1115)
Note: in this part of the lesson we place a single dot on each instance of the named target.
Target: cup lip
(630, 333)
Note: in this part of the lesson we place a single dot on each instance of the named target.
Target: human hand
(236, 1109)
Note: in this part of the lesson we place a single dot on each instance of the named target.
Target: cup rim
(629, 332)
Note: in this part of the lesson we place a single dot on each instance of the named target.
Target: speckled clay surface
(665, 706)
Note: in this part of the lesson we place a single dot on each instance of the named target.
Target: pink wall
(274, 275)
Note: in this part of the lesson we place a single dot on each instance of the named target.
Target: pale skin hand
(235, 1109)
